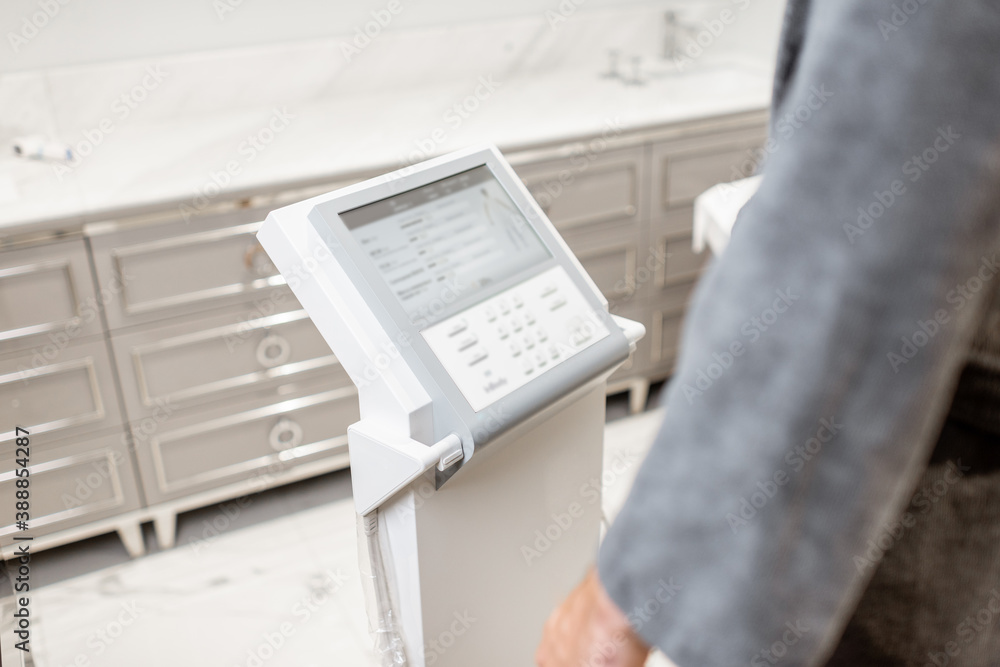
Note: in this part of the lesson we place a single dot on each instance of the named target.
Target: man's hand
(589, 630)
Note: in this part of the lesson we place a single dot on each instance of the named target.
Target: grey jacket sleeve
(823, 347)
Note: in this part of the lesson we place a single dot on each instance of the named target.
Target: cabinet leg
(637, 396)
(131, 536)
(165, 526)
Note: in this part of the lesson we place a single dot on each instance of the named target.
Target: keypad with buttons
(501, 344)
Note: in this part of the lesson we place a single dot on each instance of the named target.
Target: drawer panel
(175, 270)
(678, 262)
(73, 392)
(609, 257)
(684, 170)
(588, 189)
(186, 454)
(46, 290)
(71, 484)
(665, 337)
(220, 357)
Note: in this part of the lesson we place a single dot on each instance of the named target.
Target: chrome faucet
(672, 27)
(669, 34)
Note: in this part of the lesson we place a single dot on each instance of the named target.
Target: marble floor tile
(284, 593)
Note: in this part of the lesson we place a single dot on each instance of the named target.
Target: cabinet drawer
(677, 261)
(187, 454)
(609, 257)
(174, 270)
(219, 357)
(683, 172)
(71, 484)
(46, 290)
(588, 189)
(72, 392)
(665, 337)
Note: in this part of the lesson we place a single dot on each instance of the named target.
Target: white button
(479, 354)
(457, 327)
(557, 303)
(516, 323)
(553, 351)
(541, 335)
(491, 315)
(541, 360)
(548, 291)
(467, 342)
(504, 306)
(502, 331)
(529, 368)
(518, 302)
(528, 342)
(529, 318)
(515, 350)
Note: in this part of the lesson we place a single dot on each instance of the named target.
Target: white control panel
(503, 343)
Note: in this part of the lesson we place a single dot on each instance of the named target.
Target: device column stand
(479, 564)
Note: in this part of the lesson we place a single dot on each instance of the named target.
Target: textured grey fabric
(822, 351)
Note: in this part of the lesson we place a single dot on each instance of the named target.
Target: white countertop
(345, 118)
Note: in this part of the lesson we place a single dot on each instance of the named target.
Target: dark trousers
(934, 598)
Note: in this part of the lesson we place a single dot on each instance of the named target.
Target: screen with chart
(439, 245)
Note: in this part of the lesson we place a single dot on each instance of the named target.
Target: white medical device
(480, 348)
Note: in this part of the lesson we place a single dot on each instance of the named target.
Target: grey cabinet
(251, 442)
(71, 393)
(47, 297)
(227, 385)
(209, 381)
(156, 272)
(74, 482)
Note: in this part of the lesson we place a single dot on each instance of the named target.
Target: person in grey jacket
(825, 488)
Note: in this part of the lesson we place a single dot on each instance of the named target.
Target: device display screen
(439, 245)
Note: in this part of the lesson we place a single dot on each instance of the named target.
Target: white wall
(88, 31)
